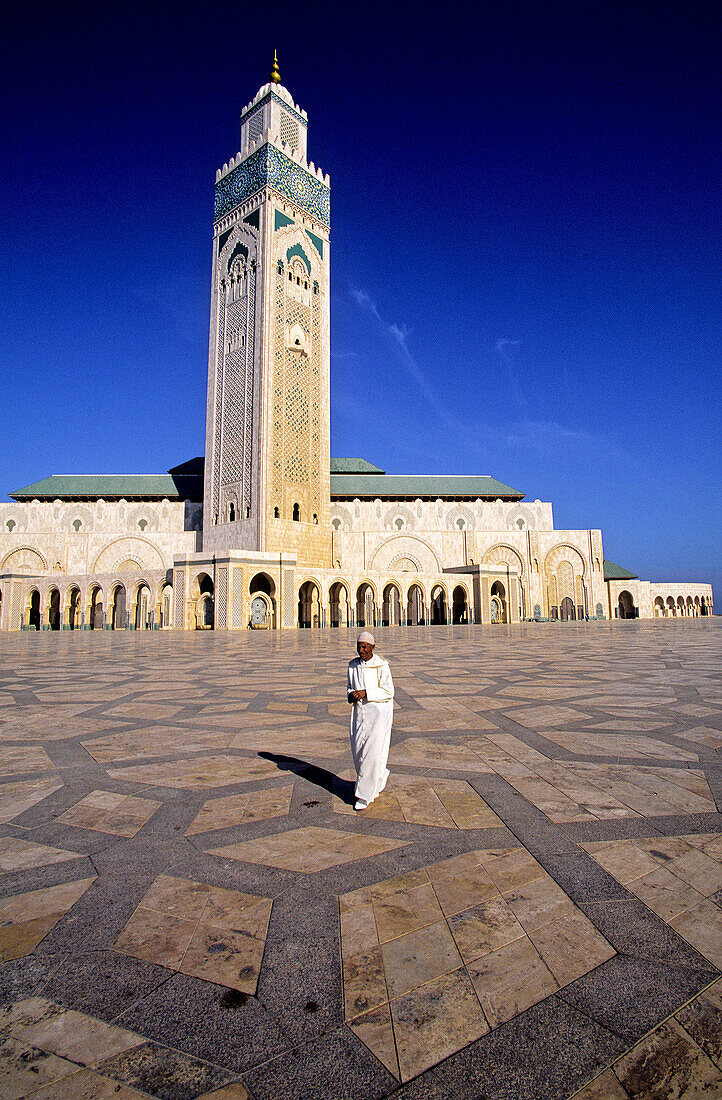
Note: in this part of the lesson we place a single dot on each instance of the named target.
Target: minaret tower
(267, 483)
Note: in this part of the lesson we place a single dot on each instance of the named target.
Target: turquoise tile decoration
(316, 242)
(296, 250)
(268, 167)
(281, 220)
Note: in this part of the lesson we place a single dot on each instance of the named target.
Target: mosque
(269, 531)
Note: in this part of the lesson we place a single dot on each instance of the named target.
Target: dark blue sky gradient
(525, 244)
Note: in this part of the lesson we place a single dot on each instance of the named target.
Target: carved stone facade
(263, 533)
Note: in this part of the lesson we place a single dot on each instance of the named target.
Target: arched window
(231, 512)
(315, 518)
(276, 513)
(297, 511)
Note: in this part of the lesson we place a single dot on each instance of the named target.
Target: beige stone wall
(652, 600)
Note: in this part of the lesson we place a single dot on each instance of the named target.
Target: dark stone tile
(633, 930)
(103, 983)
(630, 996)
(167, 1074)
(27, 977)
(702, 1019)
(582, 878)
(626, 828)
(334, 1067)
(543, 1054)
(680, 824)
(209, 1022)
(426, 1087)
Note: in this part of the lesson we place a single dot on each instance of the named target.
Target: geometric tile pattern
(202, 930)
(108, 812)
(567, 735)
(433, 959)
(676, 878)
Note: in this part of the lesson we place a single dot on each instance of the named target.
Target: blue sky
(525, 245)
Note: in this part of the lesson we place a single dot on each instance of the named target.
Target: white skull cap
(366, 637)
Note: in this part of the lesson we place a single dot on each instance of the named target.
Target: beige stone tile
(405, 910)
(22, 855)
(224, 956)
(86, 1084)
(604, 1087)
(664, 893)
(364, 984)
(375, 1030)
(512, 869)
(626, 861)
(700, 870)
(464, 890)
(17, 797)
(358, 928)
(434, 1021)
(308, 850)
(418, 957)
(544, 717)
(702, 1019)
(198, 774)
(702, 927)
(538, 902)
(155, 741)
(155, 937)
(223, 813)
(242, 912)
(17, 759)
(142, 708)
(25, 919)
(67, 1033)
(571, 946)
(667, 1064)
(179, 897)
(510, 980)
(484, 928)
(24, 1069)
(109, 812)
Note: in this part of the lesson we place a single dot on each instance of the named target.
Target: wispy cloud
(550, 436)
(400, 333)
(505, 347)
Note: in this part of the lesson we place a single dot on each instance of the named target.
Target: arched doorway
(338, 604)
(118, 617)
(438, 606)
(309, 605)
(567, 610)
(391, 611)
(142, 608)
(680, 605)
(262, 590)
(459, 606)
(625, 605)
(415, 606)
(365, 606)
(34, 610)
(96, 609)
(671, 606)
(74, 609)
(659, 611)
(690, 607)
(703, 607)
(54, 610)
(498, 602)
(204, 593)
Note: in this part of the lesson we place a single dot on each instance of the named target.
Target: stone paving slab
(190, 907)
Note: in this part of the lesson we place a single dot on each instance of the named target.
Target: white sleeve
(384, 691)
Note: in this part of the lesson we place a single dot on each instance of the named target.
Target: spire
(275, 77)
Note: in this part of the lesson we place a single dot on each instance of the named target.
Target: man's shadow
(341, 788)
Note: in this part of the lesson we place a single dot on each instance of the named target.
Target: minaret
(267, 483)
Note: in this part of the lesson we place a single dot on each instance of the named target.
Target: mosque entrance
(34, 615)
(54, 611)
(391, 614)
(73, 608)
(118, 609)
(459, 606)
(309, 605)
(204, 593)
(626, 605)
(438, 606)
(338, 604)
(365, 606)
(263, 604)
(415, 606)
(567, 610)
(498, 603)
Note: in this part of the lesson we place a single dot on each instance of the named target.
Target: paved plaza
(189, 905)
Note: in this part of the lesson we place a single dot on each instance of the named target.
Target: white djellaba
(371, 720)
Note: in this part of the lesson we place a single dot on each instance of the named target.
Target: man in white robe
(370, 690)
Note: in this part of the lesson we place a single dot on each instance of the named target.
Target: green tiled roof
(614, 572)
(113, 487)
(429, 487)
(354, 466)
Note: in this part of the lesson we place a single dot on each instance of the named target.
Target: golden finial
(275, 74)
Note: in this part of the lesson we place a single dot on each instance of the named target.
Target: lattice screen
(289, 598)
(289, 130)
(237, 601)
(179, 603)
(221, 598)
